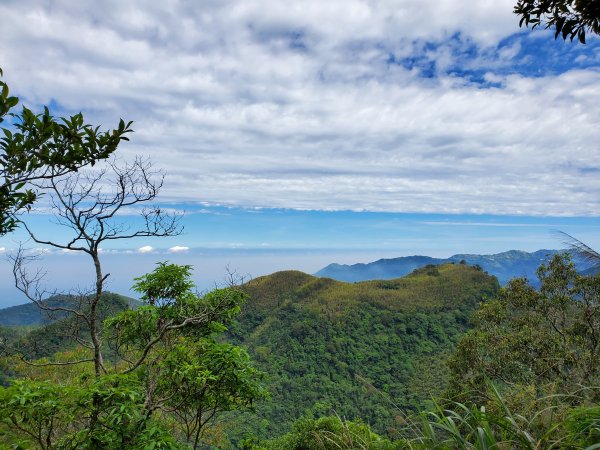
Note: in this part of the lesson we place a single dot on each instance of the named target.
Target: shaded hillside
(29, 314)
(504, 266)
(329, 346)
(61, 334)
(594, 270)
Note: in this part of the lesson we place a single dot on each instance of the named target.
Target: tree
(568, 18)
(39, 147)
(88, 205)
(534, 343)
(169, 378)
(159, 374)
(170, 341)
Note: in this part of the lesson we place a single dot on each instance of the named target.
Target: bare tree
(90, 204)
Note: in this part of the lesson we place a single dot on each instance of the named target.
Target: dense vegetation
(536, 346)
(163, 376)
(526, 377)
(57, 331)
(359, 350)
(348, 366)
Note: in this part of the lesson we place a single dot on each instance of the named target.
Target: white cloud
(2, 250)
(178, 249)
(145, 249)
(271, 104)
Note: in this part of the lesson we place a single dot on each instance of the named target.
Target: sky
(295, 135)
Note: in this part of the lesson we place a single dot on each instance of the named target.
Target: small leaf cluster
(569, 18)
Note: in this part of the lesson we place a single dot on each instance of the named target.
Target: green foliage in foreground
(534, 344)
(170, 377)
(455, 427)
(167, 395)
(568, 18)
(50, 416)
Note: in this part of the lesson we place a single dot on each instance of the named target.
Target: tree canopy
(41, 147)
(569, 18)
(534, 343)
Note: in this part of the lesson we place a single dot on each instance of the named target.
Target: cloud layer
(430, 106)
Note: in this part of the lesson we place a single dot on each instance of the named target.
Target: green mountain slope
(59, 334)
(354, 349)
(29, 314)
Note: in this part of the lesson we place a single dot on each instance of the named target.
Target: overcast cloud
(412, 106)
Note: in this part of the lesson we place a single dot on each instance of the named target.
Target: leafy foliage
(35, 412)
(374, 350)
(533, 342)
(170, 376)
(455, 426)
(328, 433)
(56, 416)
(40, 146)
(569, 18)
(473, 427)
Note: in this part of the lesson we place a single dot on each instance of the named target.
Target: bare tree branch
(579, 248)
(89, 204)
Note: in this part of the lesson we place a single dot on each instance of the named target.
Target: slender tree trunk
(98, 360)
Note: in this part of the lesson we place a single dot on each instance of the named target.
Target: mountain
(29, 314)
(384, 269)
(504, 266)
(594, 270)
(355, 349)
(37, 335)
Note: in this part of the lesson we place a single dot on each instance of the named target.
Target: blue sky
(294, 135)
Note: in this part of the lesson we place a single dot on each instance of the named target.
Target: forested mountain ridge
(329, 346)
(505, 266)
(43, 335)
(30, 314)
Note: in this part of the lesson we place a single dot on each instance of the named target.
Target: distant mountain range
(504, 266)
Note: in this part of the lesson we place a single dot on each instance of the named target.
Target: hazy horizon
(299, 240)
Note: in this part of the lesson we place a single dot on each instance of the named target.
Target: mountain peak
(505, 266)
